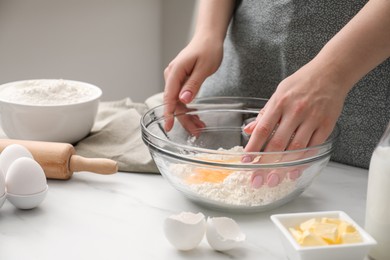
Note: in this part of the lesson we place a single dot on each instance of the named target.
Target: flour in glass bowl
(47, 92)
(236, 189)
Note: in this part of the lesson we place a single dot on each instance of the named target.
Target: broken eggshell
(185, 230)
(223, 233)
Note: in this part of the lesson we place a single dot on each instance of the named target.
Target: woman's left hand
(301, 113)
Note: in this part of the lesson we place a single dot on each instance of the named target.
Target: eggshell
(223, 233)
(185, 230)
(25, 177)
(10, 154)
(27, 201)
(2, 184)
(2, 189)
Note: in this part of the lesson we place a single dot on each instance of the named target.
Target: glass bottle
(378, 199)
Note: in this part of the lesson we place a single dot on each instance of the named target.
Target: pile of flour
(46, 92)
(236, 189)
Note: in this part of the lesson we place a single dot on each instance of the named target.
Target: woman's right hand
(187, 72)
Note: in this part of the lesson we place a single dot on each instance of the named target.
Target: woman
(305, 56)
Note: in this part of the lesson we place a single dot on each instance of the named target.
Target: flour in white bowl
(47, 92)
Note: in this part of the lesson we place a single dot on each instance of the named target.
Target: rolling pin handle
(78, 163)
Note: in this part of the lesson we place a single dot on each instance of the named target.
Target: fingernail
(186, 97)
(273, 180)
(168, 125)
(201, 125)
(250, 126)
(293, 175)
(257, 181)
(246, 159)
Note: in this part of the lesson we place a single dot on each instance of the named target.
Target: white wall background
(121, 46)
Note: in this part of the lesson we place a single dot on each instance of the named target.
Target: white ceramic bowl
(48, 109)
(355, 251)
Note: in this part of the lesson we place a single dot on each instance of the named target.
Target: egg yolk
(201, 175)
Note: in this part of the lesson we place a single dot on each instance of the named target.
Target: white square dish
(354, 251)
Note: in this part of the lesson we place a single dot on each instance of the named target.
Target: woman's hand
(201, 58)
(301, 113)
(187, 72)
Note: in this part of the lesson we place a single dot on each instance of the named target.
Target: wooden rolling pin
(59, 160)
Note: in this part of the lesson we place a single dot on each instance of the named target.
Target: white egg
(26, 184)
(185, 230)
(2, 189)
(2, 184)
(25, 177)
(223, 233)
(10, 154)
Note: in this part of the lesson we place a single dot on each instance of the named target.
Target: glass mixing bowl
(201, 156)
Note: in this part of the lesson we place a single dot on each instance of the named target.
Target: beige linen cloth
(116, 135)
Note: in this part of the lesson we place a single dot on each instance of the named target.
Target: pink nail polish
(246, 159)
(273, 180)
(257, 181)
(186, 97)
(249, 127)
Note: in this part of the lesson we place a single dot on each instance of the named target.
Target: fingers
(274, 177)
(288, 134)
(173, 81)
(192, 85)
(182, 83)
(271, 178)
(299, 141)
(188, 121)
(192, 124)
(264, 127)
(251, 125)
(320, 135)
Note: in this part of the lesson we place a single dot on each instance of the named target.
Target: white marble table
(121, 217)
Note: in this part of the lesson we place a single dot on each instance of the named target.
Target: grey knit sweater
(269, 40)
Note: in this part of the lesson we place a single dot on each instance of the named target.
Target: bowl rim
(96, 95)
(333, 137)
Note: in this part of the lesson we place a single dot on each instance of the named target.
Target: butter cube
(346, 228)
(327, 231)
(307, 224)
(350, 238)
(311, 239)
(332, 221)
(297, 234)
